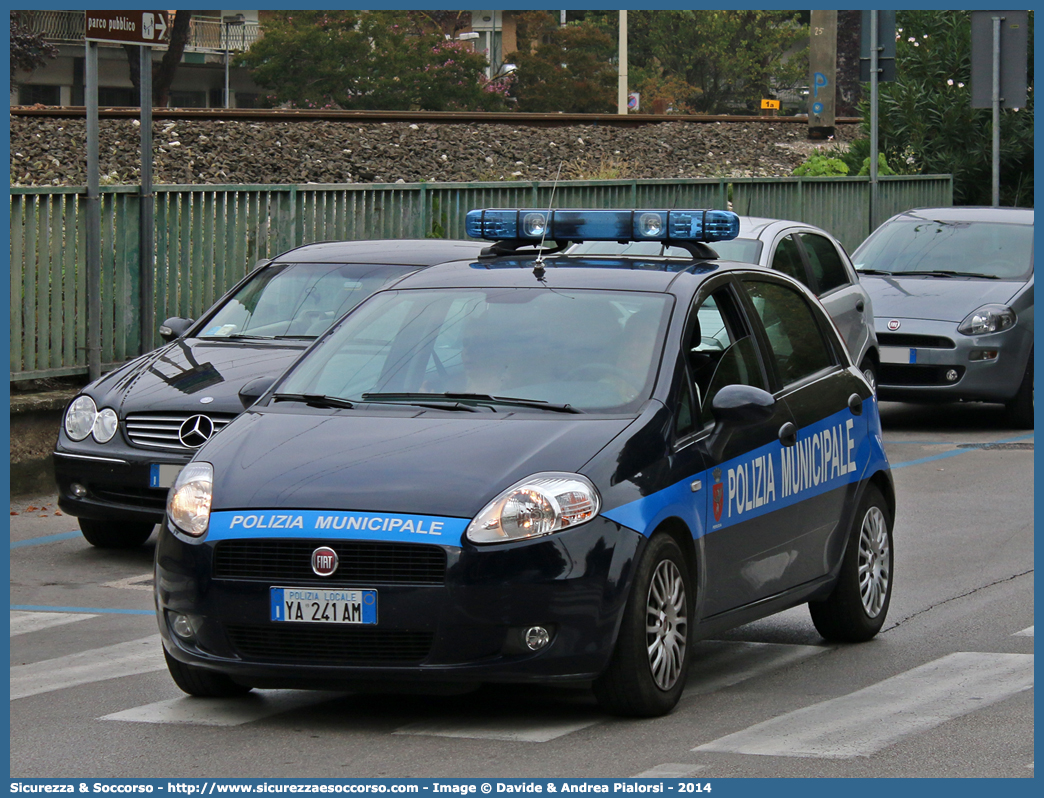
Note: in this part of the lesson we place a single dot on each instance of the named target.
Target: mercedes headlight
(105, 424)
(538, 505)
(988, 319)
(79, 418)
(188, 505)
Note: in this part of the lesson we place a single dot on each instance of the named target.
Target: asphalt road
(944, 691)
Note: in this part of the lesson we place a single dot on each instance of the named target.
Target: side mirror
(174, 328)
(254, 390)
(742, 404)
(734, 407)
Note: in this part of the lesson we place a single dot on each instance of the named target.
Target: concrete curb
(35, 420)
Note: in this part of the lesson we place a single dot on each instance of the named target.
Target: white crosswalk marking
(222, 711)
(23, 622)
(719, 663)
(671, 770)
(511, 729)
(868, 720)
(1028, 632)
(98, 664)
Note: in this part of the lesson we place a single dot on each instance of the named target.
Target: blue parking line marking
(99, 610)
(17, 544)
(944, 455)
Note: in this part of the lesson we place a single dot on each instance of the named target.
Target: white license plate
(162, 475)
(323, 605)
(898, 354)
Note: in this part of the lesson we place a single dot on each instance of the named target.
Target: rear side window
(787, 259)
(827, 268)
(794, 334)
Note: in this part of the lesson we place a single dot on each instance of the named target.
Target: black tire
(203, 683)
(855, 611)
(869, 370)
(115, 534)
(645, 680)
(1020, 408)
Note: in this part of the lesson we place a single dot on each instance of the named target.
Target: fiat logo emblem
(195, 431)
(893, 324)
(324, 561)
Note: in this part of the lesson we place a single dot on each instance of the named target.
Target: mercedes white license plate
(162, 475)
(323, 605)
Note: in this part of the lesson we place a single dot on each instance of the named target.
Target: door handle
(855, 404)
(788, 434)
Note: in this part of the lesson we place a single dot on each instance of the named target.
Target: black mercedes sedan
(127, 435)
(530, 466)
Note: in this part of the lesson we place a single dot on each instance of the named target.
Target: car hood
(427, 463)
(180, 375)
(934, 298)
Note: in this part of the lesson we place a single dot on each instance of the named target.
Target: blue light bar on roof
(502, 224)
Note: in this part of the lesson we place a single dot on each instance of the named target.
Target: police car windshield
(746, 250)
(596, 351)
(297, 300)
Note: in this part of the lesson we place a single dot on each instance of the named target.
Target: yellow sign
(773, 104)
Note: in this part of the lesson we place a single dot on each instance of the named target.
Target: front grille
(146, 498)
(915, 341)
(160, 430)
(902, 376)
(290, 562)
(330, 644)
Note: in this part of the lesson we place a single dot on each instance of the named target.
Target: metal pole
(996, 109)
(93, 216)
(874, 52)
(621, 93)
(146, 264)
(226, 65)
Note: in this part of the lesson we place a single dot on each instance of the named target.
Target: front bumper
(920, 361)
(462, 624)
(118, 482)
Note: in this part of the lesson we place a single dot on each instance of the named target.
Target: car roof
(391, 251)
(968, 213)
(754, 226)
(625, 273)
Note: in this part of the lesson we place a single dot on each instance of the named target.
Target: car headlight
(105, 424)
(988, 319)
(538, 505)
(188, 505)
(79, 418)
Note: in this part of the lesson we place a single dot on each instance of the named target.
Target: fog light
(951, 375)
(78, 490)
(537, 637)
(184, 626)
(983, 354)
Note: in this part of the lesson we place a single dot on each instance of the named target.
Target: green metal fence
(208, 237)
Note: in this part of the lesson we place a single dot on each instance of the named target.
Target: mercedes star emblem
(195, 431)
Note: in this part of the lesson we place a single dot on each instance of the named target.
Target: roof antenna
(538, 266)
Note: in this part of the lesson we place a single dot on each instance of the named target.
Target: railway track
(439, 117)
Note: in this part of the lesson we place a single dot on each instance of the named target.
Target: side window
(720, 351)
(827, 268)
(787, 259)
(794, 334)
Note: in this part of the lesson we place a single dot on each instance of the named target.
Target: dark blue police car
(531, 466)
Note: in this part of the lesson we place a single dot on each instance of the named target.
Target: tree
(378, 60)
(727, 59)
(927, 124)
(29, 51)
(162, 73)
(566, 69)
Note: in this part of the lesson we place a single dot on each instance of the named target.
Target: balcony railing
(206, 34)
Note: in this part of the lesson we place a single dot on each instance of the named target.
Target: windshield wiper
(313, 400)
(873, 271)
(436, 401)
(948, 273)
(480, 398)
